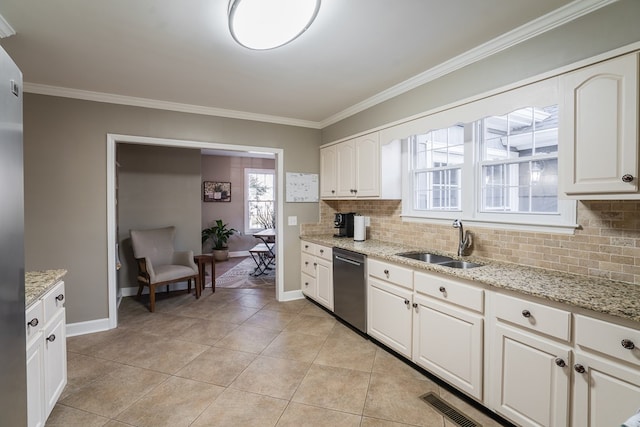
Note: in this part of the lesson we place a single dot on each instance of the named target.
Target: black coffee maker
(343, 222)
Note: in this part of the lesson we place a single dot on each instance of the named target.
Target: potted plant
(219, 234)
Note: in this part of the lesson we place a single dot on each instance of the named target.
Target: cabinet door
(606, 393)
(531, 378)
(389, 315)
(448, 342)
(368, 166)
(324, 280)
(599, 128)
(35, 381)
(345, 169)
(328, 172)
(55, 360)
(308, 285)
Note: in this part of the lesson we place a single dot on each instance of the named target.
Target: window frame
(247, 210)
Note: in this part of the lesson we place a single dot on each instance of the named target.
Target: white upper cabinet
(599, 130)
(361, 168)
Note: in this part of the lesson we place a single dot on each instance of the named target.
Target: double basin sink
(442, 260)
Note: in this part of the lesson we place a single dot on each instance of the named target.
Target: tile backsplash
(607, 243)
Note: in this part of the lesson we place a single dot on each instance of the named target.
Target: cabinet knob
(333, 191)
(386, 272)
(628, 344)
(315, 264)
(321, 251)
(306, 263)
(306, 283)
(306, 246)
(526, 313)
(579, 368)
(560, 362)
(442, 289)
(414, 305)
(33, 322)
(407, 302)
(51, 338)
(627, 177)
(60, 297)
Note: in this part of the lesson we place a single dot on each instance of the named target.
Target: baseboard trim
(88, 327)
(133, 290)
(291, 295)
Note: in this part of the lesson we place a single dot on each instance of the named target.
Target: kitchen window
(489, 168)
(259, 199)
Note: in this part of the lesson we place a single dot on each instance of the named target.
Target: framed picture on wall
(216, 191)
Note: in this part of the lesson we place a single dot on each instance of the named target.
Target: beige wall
(230, 169)
(157, 187)
(65, 183)
(608, 28)
(606, 245)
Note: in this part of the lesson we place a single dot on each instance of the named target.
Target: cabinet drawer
(324, 252)
(34, 316)
(307, 247)
(540, 318)
(53, 301)
(609, 339)
(308, 285)
(400, 276)
(307, 264)
(461, 294)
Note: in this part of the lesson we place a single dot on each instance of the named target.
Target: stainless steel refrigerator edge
(13, 377)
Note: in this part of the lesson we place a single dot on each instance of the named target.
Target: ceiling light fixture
(267, 24)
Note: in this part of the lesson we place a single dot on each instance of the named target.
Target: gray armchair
(158, 263)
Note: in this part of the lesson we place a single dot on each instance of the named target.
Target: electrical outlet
(367, 221)
(292, 220)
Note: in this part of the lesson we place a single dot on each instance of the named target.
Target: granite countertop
(36, 283)
(600, 295)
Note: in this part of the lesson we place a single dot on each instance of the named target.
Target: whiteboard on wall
(302, 187)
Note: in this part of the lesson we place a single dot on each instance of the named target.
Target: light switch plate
(293, 220)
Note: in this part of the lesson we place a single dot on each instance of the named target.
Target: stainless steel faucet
(464, 239)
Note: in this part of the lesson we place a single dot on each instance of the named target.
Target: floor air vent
(448, 411)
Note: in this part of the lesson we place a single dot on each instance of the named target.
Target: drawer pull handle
(306, 263)
(33, 322)
(560, 362)
(306, 283)
(315, 264)
(579, 368)
(386, 272)
(60, 297)
(51, 338)
(407, 302)
(526, 313)
(415, 305)
(442, 289)
(627, 177)
(321, 251)
(628, 344)
(306, 246)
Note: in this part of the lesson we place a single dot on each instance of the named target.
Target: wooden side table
(202, 261)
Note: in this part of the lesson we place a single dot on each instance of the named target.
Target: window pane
(438, 190)
(261, 202)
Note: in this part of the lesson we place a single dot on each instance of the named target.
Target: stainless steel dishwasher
(350, 287)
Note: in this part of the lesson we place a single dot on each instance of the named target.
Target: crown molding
(163, 105)
(545, 23)
(5, 28)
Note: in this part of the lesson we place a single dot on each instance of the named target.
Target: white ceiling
(178, 54)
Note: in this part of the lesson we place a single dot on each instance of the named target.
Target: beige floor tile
(254, 300)
(269, 319)
(467, 409)
(375, 422)
(233, 313)
(114, 423)
(291, 306)
(206, 332)
(299, 415)
(311, 325)
(113, 393)
(313, 310)
(247, 338)
(272, 377)
(65, 416)
(176, 402)
(334, 388)
(82, 369)
(397, 398)
(88, 344)
(386, 363)
(235, 408)
(217, 366)
(295, 346)
(347, 350)
(163, 324)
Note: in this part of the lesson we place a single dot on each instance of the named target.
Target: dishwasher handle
(339, 258)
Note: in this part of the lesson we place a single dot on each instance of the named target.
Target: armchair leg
(140, 289)
(152, 298)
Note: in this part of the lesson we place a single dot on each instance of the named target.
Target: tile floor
(240, 358)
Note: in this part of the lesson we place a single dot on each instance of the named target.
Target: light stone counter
(36, 283)
(600, 295)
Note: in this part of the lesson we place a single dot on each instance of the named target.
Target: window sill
(568, 229)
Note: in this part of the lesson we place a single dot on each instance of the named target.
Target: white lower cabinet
(46, 354)
(317, 273)
(389, 315)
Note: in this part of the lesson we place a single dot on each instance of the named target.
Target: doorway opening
(114, 294)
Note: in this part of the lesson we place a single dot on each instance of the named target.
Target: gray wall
(230, 169)
(157, 187)
(65, 183)
(605, 29)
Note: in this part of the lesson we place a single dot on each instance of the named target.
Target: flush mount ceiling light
(267, 24)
